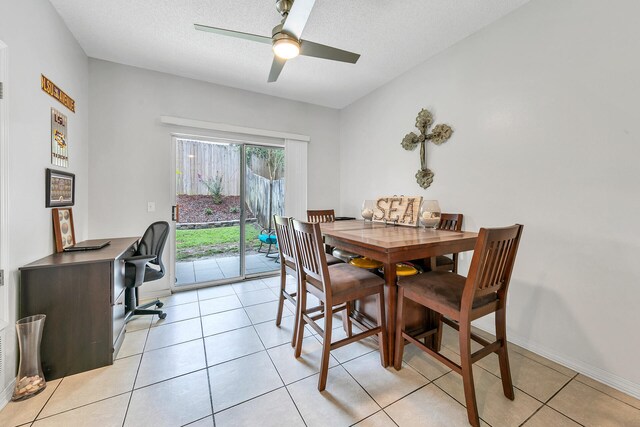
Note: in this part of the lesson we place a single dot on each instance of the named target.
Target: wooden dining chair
(288, 266)
(451, 222)
(463, 300)
(321, 215)
(335, 286)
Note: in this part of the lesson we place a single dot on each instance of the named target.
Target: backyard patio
(210, 269)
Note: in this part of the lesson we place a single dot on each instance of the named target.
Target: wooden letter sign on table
(400, 210)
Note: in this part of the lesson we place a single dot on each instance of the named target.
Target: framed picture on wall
(63, 230)
(60, 188)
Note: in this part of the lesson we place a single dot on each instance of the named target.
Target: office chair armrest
(139, 261)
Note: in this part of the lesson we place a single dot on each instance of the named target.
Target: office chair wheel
(159, 305)
(162, 316)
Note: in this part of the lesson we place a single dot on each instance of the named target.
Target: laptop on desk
(88, 245)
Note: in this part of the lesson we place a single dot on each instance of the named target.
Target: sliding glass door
(226, 194)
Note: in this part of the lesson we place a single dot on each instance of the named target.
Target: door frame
(243, 141)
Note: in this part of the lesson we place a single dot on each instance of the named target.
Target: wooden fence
(197, 161)
(257, 197)
(207, 160)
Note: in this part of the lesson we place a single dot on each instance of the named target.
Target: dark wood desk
(390, 245)
(82, 295)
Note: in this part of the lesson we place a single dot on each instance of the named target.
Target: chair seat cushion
(346, 278)
(150, 274)
(366, 263)
(440, 286)
(331, 260)
(443, 260)
(403, 270)
(345, 256)
(269, 239)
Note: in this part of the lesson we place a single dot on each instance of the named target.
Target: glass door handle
(175, 213)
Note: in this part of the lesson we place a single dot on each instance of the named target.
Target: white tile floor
(219, 357)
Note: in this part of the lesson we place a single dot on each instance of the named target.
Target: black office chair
(138, 269)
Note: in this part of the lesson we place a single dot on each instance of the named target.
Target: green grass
(206, 242)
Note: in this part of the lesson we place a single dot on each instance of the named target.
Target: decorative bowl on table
(430, 213)
(367, 209)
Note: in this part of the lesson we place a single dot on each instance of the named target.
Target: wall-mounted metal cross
(439, 135)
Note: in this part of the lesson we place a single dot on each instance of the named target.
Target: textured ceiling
(391, 35)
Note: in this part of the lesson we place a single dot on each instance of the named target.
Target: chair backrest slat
(449, 221)
(321, 215)
(492, 262)
(285, 239)
(310, 256)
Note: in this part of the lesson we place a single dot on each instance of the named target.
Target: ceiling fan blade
(276, 68)
(318, 50)
(238, 34)
(297, 17)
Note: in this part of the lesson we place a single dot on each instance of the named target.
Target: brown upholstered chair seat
(441, 286)
(347, 279)
(443, 260)
(331, 260)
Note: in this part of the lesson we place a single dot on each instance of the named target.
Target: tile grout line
(456, 400)
(513, 385)
(575, 378)
(47, 401)
(206, 362)
(274, 365)
(78, 407)
(555, 394)
(133, 386)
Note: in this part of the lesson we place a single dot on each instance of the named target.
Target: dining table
(391, 244)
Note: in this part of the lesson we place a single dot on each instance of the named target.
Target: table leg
(392, 287)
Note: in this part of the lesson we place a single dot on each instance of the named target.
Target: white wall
(544, 104)
(39, 42)
(131, 151)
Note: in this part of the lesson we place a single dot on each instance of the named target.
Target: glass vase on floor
(30, 380)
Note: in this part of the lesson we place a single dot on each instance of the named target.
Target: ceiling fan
(285, 38)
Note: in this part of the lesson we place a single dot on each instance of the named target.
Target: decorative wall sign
(60, 189)
(439, 135)
(53, 90)
(400, 210)
(63, 228)
(59, 147)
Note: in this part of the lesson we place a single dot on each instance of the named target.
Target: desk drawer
(118, 316)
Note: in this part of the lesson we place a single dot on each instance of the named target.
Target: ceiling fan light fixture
(286, 48)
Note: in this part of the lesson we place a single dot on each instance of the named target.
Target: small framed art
(60, 188)
(63, 228)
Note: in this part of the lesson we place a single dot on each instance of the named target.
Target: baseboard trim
(607, 378)
(7, 393)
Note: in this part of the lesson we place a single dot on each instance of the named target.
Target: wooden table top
(110, 252)
(392, 238)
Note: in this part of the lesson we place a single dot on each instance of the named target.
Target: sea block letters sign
(401, 210)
